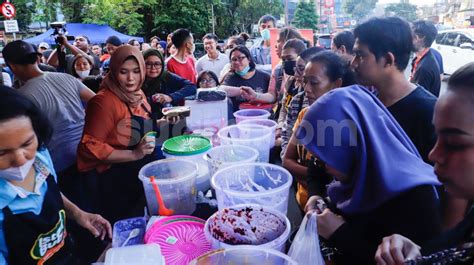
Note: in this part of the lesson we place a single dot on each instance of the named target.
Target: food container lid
(187, 145)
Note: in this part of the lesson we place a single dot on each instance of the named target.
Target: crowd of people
(391, 156)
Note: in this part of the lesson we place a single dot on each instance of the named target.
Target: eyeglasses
(151, 65)
(207, 81)
(238, 59)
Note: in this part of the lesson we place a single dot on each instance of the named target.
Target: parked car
(456, 47)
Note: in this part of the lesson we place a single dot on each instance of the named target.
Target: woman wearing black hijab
(162, 87)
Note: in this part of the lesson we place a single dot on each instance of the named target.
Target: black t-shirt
(413, 214)
(259, 82)
(428, 74)
(414, 113)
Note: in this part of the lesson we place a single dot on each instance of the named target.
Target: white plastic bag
(305, 249)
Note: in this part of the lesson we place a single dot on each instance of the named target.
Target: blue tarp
(95, 33)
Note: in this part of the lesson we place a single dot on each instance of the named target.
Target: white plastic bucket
(245, 114)
(244, 255)
(253, 183)
(176, 180)
(227, 155)
(278, 243)
(264, 122)
(255, 136)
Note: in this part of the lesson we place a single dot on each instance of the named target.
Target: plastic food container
(255, 136)
(227, 155)
(192, 148)
(248, 225)
(176, 180)
(129, 232)
(181, 238)
(135, 255)
(244, 255)
(264, 122)
(245, 114)
(253, 183)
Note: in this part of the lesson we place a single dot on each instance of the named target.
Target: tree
(248, 12)
(24, 11)
(404, 10)
(45, 12)
(305, 15)
(359, 9)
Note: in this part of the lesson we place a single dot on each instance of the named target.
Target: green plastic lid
(186, 145)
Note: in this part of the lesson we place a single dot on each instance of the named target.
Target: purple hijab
(352, 131)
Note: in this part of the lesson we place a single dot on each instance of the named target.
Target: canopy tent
(95, 33)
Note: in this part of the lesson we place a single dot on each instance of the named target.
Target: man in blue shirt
(260, 51)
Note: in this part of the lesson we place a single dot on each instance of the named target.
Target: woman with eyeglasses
(162, 87)
(207, 79)
(232, 42)
(245, 83)
(380, 186)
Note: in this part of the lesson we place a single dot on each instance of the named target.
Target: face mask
(289, 67)
(243, 72)
(227, 52)
(17, 173)
(83, 74)
(265, 34)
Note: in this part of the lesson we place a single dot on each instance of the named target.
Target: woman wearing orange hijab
(113, 147)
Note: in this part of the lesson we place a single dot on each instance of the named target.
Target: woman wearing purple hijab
(381, 184)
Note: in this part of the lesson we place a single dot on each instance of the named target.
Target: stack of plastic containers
(255, 136)
(191, 148)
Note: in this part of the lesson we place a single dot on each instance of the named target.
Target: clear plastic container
(264, 122)
(244, 255)
(192, 148)
(176, 180)
(227, 155)
(253, 183)
(149, 254)
(129, 232)
(255, 136)
(258, 218)
(245, 114)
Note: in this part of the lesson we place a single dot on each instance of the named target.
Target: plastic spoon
(163, 211)
(134, 233)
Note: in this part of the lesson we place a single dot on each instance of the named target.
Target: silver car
(456, 47)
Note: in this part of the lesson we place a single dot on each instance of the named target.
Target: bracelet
(257, 95)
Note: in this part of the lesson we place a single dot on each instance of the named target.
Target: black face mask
(289, 67)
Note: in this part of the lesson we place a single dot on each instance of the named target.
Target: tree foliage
(24, 13)
(359, 9)
(305, 15)
(404, 10)
(159, 17)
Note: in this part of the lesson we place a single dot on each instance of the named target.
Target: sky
(415, 2)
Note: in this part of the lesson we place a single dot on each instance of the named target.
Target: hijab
(371, 148)
(111, 82)
(153, 85)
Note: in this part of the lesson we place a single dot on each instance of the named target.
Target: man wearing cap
(60, 96)
(111, 44)
(80, 46)
(43, 47)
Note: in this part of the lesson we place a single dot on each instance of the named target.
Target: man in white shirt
(214, 60)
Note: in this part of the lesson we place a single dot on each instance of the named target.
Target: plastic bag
(305, 249)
